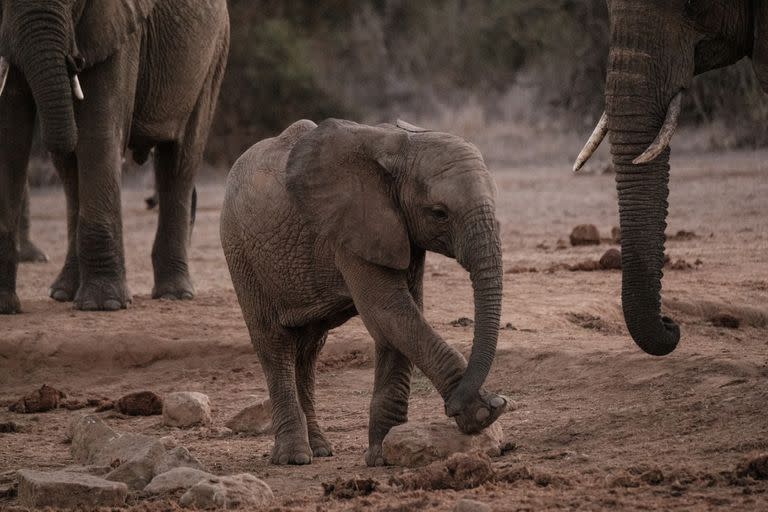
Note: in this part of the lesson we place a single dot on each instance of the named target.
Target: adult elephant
(656, 48)
(102, 76)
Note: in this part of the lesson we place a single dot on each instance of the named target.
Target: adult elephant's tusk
(76, 89)
(5, 67)
(593, 143)
(665, 134)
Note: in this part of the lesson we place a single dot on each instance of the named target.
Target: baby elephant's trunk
(480, 254)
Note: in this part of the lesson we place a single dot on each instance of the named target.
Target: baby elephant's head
(381, 191)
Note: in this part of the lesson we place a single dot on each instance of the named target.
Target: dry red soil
(599, 424)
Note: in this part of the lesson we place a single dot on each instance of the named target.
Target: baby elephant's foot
(478, 413)
(320, 445)
(102, 295)
(374, 456)
(66, 284)
(291, 452)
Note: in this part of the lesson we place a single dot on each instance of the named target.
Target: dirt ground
(594, 414)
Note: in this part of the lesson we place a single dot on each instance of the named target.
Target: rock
(413, 445)
(236, 491)
(91, 469)
(134, 457)
(178, 457)
(89, 435)
(186, 408)
(63, 489)
(175, 479)
(611, 260)
(142, 403)
(585, 234)
(725, 320)
(41, 400)
(254, 419)
(467, 505)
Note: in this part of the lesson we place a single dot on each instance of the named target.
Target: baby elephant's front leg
(389, 405)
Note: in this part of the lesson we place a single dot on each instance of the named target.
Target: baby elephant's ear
(760, 50)
(341, 178)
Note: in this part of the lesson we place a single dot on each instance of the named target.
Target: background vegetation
(522, 74)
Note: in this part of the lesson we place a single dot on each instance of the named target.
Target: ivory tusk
(5, 67)
(76, 89)
(593, 143)
(665, 134)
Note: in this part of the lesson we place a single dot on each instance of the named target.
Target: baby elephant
(324, 222)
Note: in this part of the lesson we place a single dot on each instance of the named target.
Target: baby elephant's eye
(439, 213)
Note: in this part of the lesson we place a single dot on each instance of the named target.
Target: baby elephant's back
(256, 184)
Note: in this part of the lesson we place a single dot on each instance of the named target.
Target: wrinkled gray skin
(28, 251)
(657, 46)
(326, 222)
(150, 71)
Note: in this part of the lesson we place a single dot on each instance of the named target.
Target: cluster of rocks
(110, 464)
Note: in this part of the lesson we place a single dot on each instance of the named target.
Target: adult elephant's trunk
(642, 183)
(43, 40)
(480, 254)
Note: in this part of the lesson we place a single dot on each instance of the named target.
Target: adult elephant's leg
(17, 118)
(101, 119)
(66, 284)
(308, 350)
(28, 251)
(175, 168)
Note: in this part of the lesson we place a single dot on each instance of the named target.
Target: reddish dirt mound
(755, 467)
(142, 403)
(347, 489)
(44, 399)
(459, 471)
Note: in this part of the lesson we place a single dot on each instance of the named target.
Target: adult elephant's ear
(102, 26)
(341, 177)
(760, 50)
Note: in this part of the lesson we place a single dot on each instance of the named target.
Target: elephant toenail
(60, 295)
(302, 459)
(112, 305)
(482, 414)
(497, 402)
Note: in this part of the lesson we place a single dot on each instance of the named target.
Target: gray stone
(236, 491)
(63, 489)
(414, 445)
(254, 419)
(134, 457)
(585, 234)
(89, 435)
(179, 457)
(175, 479)
(92, 469)
(185, 409)
(467, 505)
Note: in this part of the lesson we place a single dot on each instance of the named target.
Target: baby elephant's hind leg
(277, 353)
(306, 357)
